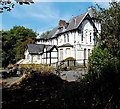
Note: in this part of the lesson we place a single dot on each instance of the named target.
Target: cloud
(46, 12)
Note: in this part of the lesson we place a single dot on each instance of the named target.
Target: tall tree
(110, 22)
(103, 78)
(12, 41)
(21, 48)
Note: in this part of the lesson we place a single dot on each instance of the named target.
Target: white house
(69, 39)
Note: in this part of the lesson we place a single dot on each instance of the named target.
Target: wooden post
(84, 63)
(50, 58)
(68, 62)
(74, 63)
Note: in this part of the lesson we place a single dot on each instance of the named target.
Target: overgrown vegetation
(14, 42)
(102, 82)
(23, 68)
(32, 90)
(99, 89)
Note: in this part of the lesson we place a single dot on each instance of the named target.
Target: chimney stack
(91, 11)
(61, 22)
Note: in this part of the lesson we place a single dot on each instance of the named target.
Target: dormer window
(66, 25)
(59, 29)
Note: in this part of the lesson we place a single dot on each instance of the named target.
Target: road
(72, 75)
(7, 79)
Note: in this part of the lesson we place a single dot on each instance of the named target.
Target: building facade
(75, 38)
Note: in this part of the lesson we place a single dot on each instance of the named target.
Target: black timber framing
(50, 58)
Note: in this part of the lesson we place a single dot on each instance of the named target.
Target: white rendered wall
(65, 55)
(54, 56)
(75, 39)
(80, 45)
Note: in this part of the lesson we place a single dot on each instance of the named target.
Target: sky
(43, 16)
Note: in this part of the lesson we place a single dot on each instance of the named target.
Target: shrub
(70, 58)
(34, 67)
(98, 59)
(10, 66)
(103, 78)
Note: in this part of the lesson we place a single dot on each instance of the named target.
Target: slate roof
(53, 33)
(38, 48)
(35, 48)
(49, 47)
(66, 45)
(72, 24)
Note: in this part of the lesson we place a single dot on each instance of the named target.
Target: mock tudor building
(69, 39)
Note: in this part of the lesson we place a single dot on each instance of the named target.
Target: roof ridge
(80, 15)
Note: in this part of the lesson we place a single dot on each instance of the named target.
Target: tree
(110, 22)
(21, 49)
(45, 34)
(13, 43)
(9, 4)
(103, 78)
(102, 83)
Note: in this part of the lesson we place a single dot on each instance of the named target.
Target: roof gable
(73, 24)
(50, 47)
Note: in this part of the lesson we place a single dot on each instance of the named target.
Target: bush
(98, 59)
(103, 79)
(70, 58)
(23, 68)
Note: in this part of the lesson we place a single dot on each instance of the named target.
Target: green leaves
(8, 5)
(110, 22)
(14, 42)
(104, 63)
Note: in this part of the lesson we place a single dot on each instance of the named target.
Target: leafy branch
(8, 5)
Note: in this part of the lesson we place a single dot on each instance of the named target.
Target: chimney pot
(61, 22)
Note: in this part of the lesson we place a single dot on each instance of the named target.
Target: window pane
(61, 54)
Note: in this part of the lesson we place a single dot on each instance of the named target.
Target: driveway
(7, 80)
(72, 75)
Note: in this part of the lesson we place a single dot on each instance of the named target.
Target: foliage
(20, 50)
(9, 4)
(102, 82)
(101, 86)
(98, 59)
(23, 68)
(69, 58)
(45, 34)
(32, 90)
(45, 90)
(14, 42)
(99, 89)
(110, 25)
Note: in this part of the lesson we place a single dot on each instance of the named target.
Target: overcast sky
(43, 16)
